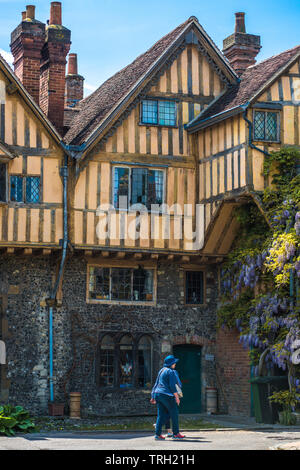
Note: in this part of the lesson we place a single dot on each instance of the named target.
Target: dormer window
(159, 112)
(266, 126)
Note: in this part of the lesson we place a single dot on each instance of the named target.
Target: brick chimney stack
(241, 48)
(74, 83)
(53, 68)
(27, 41)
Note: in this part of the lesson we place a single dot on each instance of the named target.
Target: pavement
(228, 422)
(230, 433)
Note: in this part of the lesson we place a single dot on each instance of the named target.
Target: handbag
(179, 391)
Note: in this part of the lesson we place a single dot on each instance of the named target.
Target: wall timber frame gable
(192, 79)
(31, 148)
(194, 35)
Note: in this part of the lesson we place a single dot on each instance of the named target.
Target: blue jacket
(165, 383)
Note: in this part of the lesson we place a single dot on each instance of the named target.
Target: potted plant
(287, 400)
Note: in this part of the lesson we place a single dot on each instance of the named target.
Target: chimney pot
(55, 13)
(30, 12)
(241, 48)
(72, 65)
(23, 15)
(240, 23)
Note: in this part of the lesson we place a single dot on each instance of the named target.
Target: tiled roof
(252, 80)
(99, 104)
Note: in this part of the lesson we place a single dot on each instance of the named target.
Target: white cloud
(88, 88)
(7, 56)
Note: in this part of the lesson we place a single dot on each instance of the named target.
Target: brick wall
(233, 374)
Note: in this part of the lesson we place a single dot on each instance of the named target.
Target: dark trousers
(166, 408)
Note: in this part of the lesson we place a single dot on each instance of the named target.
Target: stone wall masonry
(26, 283)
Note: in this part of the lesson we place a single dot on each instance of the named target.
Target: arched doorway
(189, 370)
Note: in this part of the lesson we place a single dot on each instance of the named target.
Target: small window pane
(259, 125)
(271, 126)
(121, 179)
(149, 112)
(194, 287)
(155, 187)
(145, 351)
(33, 189)
(167, 113)
(16, 188)
(265, 125)
(139, 179)
(142, 285)
(126, 362)
(3, 182)
(99, 283)
(120, 284)
(107, 362)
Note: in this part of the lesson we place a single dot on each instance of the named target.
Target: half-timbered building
(116, 212)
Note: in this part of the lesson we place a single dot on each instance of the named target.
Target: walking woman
(165, 395)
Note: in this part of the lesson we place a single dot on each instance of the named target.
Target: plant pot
(56, 409)
(75, 398)
(297, 416)
(287, 418)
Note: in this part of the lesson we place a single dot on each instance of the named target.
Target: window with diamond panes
(194, 287)
(16, 189)
(167, 113)
(266, 125)
(33, 189)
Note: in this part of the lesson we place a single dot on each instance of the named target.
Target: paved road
(208, 440)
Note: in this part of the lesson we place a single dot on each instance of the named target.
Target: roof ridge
(119, 85)
(273, 57)
(138, 57)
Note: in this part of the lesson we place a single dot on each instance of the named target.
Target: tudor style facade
(98, 263)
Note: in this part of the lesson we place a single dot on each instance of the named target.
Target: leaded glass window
(16, 189)
(145, 353)
(107, 354)
(126, 362)
(167, 113)
(33, 189)
(25, 189)
(194, 287)
(121, 186)
(138, 186)
(149, 112)
(121, 284)
(160, 112)
(266, 125)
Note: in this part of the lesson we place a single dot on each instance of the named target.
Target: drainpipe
(51, 300)
(250, 126)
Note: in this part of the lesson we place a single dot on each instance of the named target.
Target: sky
(107, 35)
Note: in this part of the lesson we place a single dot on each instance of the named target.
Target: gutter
(192, 127)
(51, 300)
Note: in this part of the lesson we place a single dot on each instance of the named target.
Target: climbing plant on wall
(259, 281)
